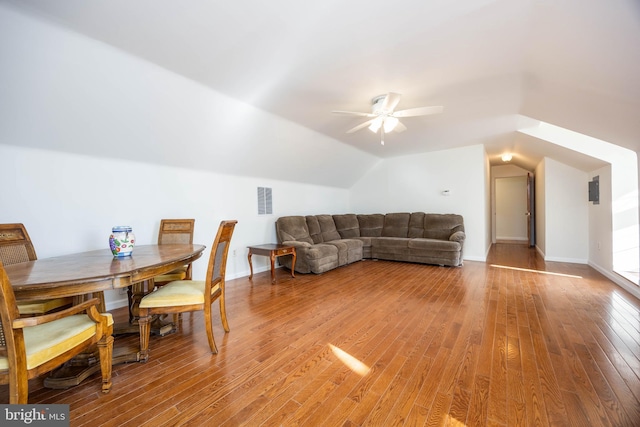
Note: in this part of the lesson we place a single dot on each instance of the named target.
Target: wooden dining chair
(172, 231)
(182, 296)
(175, 231)
(31, 346)
(16, 247)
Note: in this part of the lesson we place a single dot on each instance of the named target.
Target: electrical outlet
(123, 291)
(234, 252)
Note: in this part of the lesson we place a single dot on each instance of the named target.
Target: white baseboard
(569, 260)
(475, 258)
(512, 239)
(618, 280)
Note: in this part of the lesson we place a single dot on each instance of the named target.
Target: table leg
(293, 265)
(250, 265)
(273, 270)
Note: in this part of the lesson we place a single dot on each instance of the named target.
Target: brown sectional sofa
(325, 242)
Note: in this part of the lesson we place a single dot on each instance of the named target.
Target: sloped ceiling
(490, 63)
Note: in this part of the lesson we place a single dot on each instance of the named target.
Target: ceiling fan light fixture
(390, 124)
(384, 118)
(376, 124)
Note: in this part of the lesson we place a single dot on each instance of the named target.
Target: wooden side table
(272, 250)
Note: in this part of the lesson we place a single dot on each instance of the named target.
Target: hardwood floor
(389, 343)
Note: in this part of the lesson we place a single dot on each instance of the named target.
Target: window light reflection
(536, 271)
(351, 362)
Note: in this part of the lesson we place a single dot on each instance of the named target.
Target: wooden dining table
(93, 272)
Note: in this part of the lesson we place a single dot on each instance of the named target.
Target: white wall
(69, 202)
(415, 184)
(566, 213)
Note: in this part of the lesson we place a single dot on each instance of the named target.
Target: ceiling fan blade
(420, 111)
(390, 101)
(354, 113)
(360, 126)
(400, 127)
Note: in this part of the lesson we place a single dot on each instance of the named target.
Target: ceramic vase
(121, 241)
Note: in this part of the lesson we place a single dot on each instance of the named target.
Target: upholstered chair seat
(49, 340)
(177, 293)
(42, 306)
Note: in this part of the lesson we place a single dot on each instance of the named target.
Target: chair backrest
(8, 311)
(218, 257)
(15, 247)
(15, 244)
(176, 231)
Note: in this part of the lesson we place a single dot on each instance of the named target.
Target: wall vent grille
(265, 203)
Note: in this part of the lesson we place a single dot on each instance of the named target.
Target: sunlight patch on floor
(535, 271)
(351, 362)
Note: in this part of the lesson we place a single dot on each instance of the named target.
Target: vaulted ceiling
(495, 65)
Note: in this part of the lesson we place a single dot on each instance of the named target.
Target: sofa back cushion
(441, 226)
(328, 228)
(396, 225)
(416, 225)
(347, 225)
(371, 225)
(314, 229)
(292, 228)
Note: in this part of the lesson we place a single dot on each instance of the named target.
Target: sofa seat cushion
(321, 250)
(349, 250)
(366, 246)
(322, 257)
(311, 258)
(433, 251)
(434, 245)
(391, 248)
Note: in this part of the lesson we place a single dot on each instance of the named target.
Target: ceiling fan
(384, 119)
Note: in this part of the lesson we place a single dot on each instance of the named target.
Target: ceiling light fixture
(390, 124)
(507, 157)
(387, 122)
(375, 124)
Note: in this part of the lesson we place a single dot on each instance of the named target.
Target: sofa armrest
(458, 236)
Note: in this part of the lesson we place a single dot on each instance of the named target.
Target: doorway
(512, 214)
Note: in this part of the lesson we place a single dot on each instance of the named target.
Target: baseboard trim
(618, 280)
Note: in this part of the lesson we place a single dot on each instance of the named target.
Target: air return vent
(265, 205)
